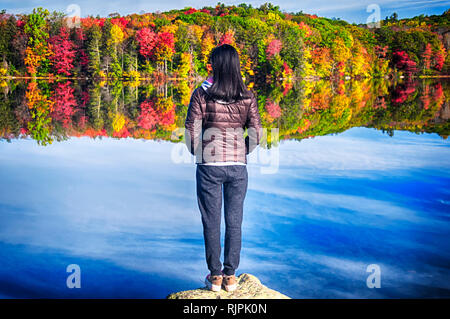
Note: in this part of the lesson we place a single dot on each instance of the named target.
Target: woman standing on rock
(219, 112)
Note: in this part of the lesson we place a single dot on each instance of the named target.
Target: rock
(249, 287)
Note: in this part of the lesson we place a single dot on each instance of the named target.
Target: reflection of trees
(64, 104)
(40, 107)
(48, 111)
(413, 108)
(9, 125)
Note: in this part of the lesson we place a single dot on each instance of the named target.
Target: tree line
(272, 44)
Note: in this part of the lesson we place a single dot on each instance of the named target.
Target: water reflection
(127, 214)
(56, 111)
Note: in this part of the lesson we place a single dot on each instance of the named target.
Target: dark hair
(228, 85)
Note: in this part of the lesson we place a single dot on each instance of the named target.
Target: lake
(94, 174)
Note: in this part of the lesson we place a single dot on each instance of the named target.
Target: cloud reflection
(121, 207)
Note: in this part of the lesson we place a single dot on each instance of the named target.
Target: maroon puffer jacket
(219, 127)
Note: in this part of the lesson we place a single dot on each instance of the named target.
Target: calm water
(121, 208)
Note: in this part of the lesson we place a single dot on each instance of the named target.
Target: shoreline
(195, 78)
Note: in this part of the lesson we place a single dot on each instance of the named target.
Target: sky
(349, 10)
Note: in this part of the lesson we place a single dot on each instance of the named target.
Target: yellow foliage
(116, 34)
(360, 63)
(118, 122)
(339, 104)
(207, 46)
(197, 32)
(340, 52)
(269, 39)
(307, 69)
(171, 28)
(35, 55)
(135, 78)
(273, 17)
(164, 103)
(246, 62)
(185, 65)
(184, 91)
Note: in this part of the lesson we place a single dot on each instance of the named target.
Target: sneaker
(229, 282)
(214, 283)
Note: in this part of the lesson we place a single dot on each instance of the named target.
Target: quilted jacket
(215, 129)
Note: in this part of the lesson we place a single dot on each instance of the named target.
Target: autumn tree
(146, 39)
(63, 52)
(38, 51)
(164, 49)
(94, 38)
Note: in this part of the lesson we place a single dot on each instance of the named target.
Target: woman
(219, 112)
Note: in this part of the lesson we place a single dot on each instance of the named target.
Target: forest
(272, 44)
(132, 76)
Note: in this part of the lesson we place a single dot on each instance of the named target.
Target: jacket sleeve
(193, 123)
(253, 125)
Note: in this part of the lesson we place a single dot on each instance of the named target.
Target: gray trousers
(233, 179)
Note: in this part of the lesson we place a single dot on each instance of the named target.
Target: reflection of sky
(124, 212)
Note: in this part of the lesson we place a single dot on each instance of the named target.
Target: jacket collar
(207, 84)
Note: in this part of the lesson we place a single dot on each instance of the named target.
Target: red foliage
(64, 103)
(94, 133)
(273, 109)
(90, 21)
(227, 38)
(84, 98)
(403, 91)
(147, 41)
(151, 117)
(20, 23)
(427, 56)
(165, 40)
(166, 118)
(80, 35)
(121, 22)
(440, 59)
(340, 69)
(101, 22)
(402, 61)
(340, 88)
(82, 57)
(425, 98)
(63, 52)
(123, 133)
(148, 117)
(438, 92)
(190, 11)
(287, 70)
(303, 26)
(273, 48)
(287, 88)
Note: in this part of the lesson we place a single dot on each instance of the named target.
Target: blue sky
(349, 10)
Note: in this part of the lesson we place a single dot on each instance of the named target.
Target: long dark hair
(228, 85)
